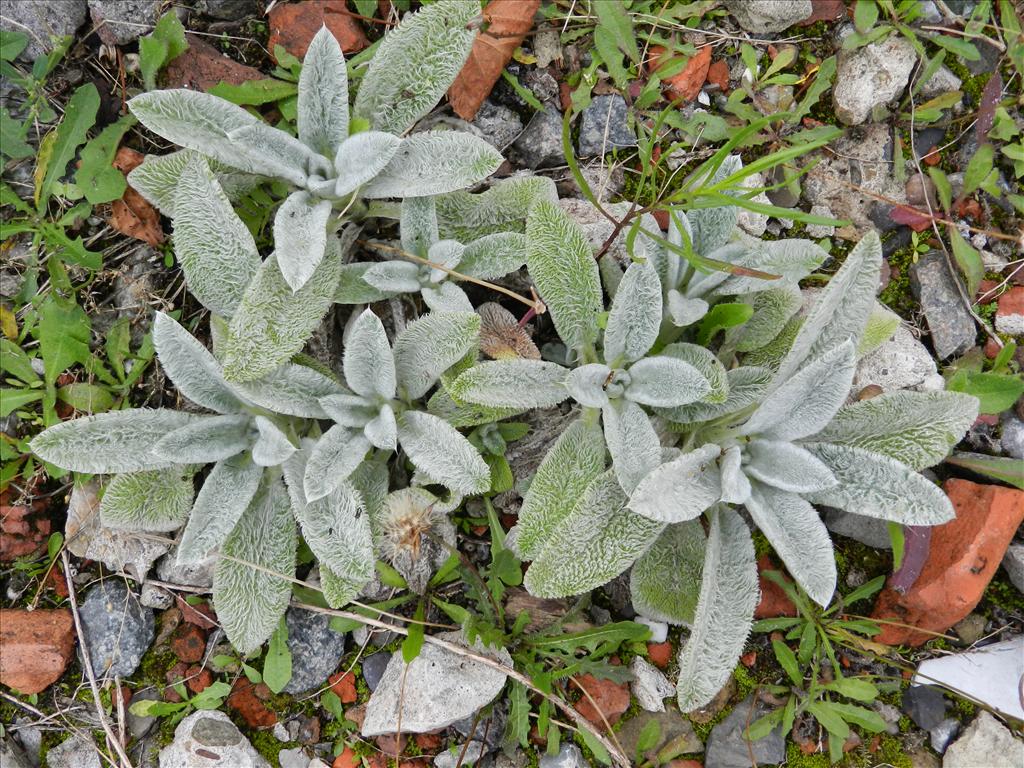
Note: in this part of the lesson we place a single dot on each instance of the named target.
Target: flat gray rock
(77, 752)
(117, 628)
(475, 751)
(1012, 438)
(440, 688)
(604, 126)
(499, 125)
(950, 324)
(540, 145)
(119, 22)
(902, 362)
(986, 742)
(1013, 562)
(871, 77)
(45, 20)
(728, 749)
(208, 739)
(769, 15)
(650, 687)
(316, 649)
(569, 756)
(373, 668)
(867, 530)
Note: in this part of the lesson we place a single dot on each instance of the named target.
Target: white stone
(762, 16)
(436, 689)
(155, 597)
(1010, 323)
(985, 744)
(79, 751)
(991, 675)
(820, 230)
(650, 686)
(871, 77)
(943, 81)
(205, 732)
(749, 221)
(569, 756)
(659, 629)
(902, 362)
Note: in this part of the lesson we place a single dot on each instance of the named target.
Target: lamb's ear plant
(775, 438)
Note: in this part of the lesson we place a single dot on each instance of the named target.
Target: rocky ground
(97, 621)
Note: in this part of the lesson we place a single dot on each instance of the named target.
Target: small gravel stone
(117, 628)
(140, 725)
(373, 668)
(867, 530)
(45, 19)
(12, 755)
(489, 729)
(206, 732)
(226, 10)
(316, 649)
(986, 742)
(650, 687)
(569, 756)
(194, 575)
(292, 758)
(450, 758)
(769, 15)
(280, 732)
(499, 125)
(605, 126)
(925, 705)
(944, 733)
(949, 323)
(155, 597)
(540, 144)
(728, 749)
(1013, 562)
(943, 81)
(119, 22)
(871, 77)
(77, 752)
(820, 230)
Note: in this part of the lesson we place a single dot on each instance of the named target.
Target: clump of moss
(795, 758)
(897, 295)
(266, 744)
(745, 682)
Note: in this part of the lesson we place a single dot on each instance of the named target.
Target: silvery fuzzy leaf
(446, 254)
(194, 371)
(418, 225)
(704, 283)
(334, 457)
(323, 95)
(669, 263)
(735, 485)
(156, 179)
(109, 443)
(461, 415)
(707, 364)
(786, 466)
(882, 324)
(773, 308)
(349, 410)
(562, 267)
(272, 152)
(596, 542)
(808, 400)
(195, 120)
(216, 251)
(338, 591)
(371, 481)
(571, 464)
(665, 582)
(493, 256)
(382, 430)
(635, 316)
(512, 383)
(368, 362)
(666, 382)
(792, 260)
(465, 216)
(611, 273)
(712, 227)
(681, 489)
(430, 346)
(917, 429)
(724, 613)
(771, 355)
(251, 584)
(684, 311)
(439, 450)
(842, 309)
(272, 446)
(446, 297)
(433, 163)
(361, 158)
(300, 235)
(747, 385)
(800, 538)
(353, 288)
(336, 527)
(414, 65)
(631, 441)
(273, 322)
(209, 438)
(874, 485)
(226, 492)
(292, 390)
(392, 277)
(157, 501)
(586, 384)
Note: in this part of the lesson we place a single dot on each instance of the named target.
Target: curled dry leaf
(506, 23)
(132, 215)
(687, 84)
(293, 25)
(501, 337)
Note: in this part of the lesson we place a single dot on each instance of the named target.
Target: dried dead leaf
(687, 84)
(506, 23)
(501, 337)
(132, 215)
